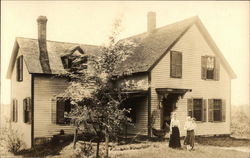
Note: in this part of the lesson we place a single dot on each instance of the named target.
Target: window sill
(176, 77)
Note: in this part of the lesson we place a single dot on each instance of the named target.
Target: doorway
(168, 106)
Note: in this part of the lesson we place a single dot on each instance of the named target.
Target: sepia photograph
(125, 79)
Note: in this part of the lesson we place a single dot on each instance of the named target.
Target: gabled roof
(152, 47)
(30, 51)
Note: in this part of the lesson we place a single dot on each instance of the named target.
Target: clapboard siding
(193, 46)
(45, 90)
(19, 91)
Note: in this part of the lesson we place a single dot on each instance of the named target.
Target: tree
(97, 102)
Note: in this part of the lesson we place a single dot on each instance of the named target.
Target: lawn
(161, 150)
(204, 148)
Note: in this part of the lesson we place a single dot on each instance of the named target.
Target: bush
(11, 139)
(240, 125)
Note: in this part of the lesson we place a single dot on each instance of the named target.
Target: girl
(174, 141)
(189, 126)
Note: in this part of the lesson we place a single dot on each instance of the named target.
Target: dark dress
(189, 139)
(174, 141)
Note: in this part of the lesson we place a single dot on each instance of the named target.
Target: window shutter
(25, 110)
(21, 68)
(223, 110)
(203, 67)
(217, 69)
(179, 64)
(172, 65)
(60, 111)
(204, 110)
(190, 107)
(53, 111)
(12, 110)
(210, 110)
(15, 116)
(29, 113)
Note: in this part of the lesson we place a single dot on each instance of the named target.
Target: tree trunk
(97, 148)
(75, 137)
(106, 143)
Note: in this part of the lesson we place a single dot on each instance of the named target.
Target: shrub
(240, 125)
(11, 139)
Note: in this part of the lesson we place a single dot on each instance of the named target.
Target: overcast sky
(90, 23)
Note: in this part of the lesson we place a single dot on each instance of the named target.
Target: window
(14, 113)
(67, 62)
(63, 108)
(197, 109)
(19, 68)
(175, 64)
(27, 110)
(216, 110)
(209, 68)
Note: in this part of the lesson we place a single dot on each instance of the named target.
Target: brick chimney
(151, 21)
(42, 42)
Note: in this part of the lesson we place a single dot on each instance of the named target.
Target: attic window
(74, 60)
(210, 68)
(19, 68)
(67, 62)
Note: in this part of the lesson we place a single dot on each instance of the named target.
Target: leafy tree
(97, 102)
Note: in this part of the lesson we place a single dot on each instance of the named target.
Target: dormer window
(75, 59)
(67, 62)
(19, 68)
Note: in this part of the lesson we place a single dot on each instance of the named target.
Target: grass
(205, 147)
(163, 151)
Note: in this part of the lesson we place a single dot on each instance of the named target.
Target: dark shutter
(60, 107)
(204, 110)
(210, 110)
(19, 67)
(53, 111)
(172, 65)
(15, 111)
(223, 110)
(203, 67)
(176, 64)
(25, 110)
(217, 69)
(29, 111)
(190, 107)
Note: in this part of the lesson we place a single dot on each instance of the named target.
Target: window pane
(197, 104)
(217, 115)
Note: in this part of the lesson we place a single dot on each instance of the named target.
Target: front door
(168, 106)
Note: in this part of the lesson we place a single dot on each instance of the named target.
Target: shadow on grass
(48, 149)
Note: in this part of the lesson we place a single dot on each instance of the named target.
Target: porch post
(149, 113)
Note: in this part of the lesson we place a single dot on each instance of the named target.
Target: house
(179, 65)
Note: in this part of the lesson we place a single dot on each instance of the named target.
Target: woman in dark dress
(174, 141)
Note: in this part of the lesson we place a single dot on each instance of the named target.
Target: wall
(193, 46)
(19, 91)
(46, 88)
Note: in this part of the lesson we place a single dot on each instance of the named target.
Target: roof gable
(29, 48)
(152, 47)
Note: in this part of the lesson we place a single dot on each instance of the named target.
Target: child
(189, 126)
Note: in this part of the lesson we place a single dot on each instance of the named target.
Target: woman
(174, 141)
(189, 126)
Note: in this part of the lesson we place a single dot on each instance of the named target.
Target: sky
(91, 22)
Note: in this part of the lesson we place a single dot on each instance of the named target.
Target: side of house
(48, 112)
(205, 92)
(21, 99)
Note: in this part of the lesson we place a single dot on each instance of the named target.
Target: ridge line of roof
(58, 41)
